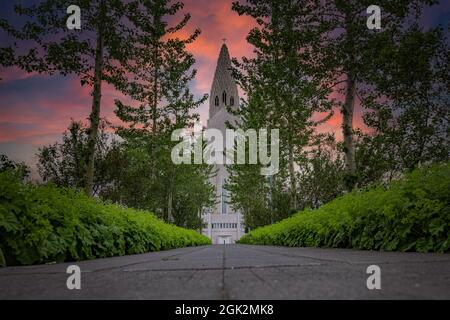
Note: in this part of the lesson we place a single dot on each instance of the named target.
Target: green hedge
(41, 224)
(412, 214)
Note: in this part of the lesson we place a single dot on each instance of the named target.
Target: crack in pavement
(344, 262)
(188, 269)
(106, 268)
(228, 268)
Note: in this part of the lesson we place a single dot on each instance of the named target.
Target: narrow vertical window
(224, 97)
(231, 101)
(216, 101)
(223, 197)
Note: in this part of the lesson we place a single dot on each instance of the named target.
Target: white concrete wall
(234, 233)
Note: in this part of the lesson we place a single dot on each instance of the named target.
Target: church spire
(224, 89)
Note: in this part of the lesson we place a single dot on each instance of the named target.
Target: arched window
(224, 97)
(231, 101)
(216, 101)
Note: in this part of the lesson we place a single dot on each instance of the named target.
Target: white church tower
(223, 225)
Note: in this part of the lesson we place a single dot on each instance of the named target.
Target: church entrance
(224, 239)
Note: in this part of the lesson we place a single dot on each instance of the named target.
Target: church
(223, 225)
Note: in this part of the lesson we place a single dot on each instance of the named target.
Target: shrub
(411, 214)
(41, 224)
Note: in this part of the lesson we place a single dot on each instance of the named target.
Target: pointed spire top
(224, 60)
(224, 89)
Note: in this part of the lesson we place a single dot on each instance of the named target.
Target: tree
(410, 113)
(163, 70)
(282, 92)
(18, 168)
(95, 53)
(344, 51)
(6, 57)
(375, 159)
(63, 162)
(321, 173)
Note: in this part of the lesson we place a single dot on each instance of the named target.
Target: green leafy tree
(409, 113)
(250, 193)
(345, 50)
(19, 169)
(6, 57)
(321, 173)
(95, 53)
(375, 159)
(163, 102)
(282, 92)
(63, 162)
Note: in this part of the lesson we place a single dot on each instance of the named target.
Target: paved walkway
(238, 272)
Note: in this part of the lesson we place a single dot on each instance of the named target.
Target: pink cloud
(14, 73)
(44, 114)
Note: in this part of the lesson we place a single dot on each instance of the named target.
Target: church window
(231, 101)
(224, 197)
(224, 97)
(216, 101)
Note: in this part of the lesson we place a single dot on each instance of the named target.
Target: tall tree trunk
(292, 177)
(154, 115)
(347, 129)
(94, 117)
(170, 205)
(170, 197)
(271, 178)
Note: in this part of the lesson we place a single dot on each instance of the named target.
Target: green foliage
(321, 174)
(41, 224)
(96, 53)
(63, 163)
(161, 102)
(19, 168)
(411, 214)
(409, 114)
(281, 92)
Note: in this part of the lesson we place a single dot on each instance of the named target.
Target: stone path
(238, 272)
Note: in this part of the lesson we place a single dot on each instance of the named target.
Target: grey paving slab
(238, 272)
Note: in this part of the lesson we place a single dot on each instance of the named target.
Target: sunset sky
(36, 109)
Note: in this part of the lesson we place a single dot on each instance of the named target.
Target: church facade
(223, 225)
